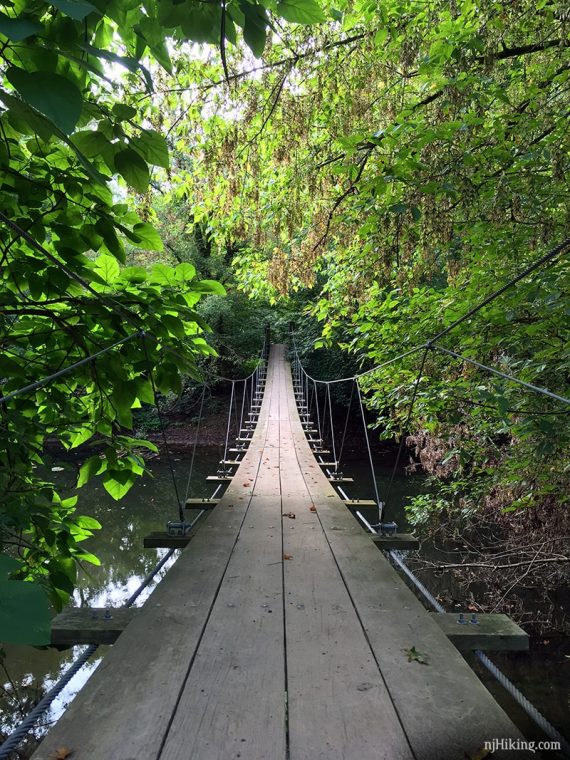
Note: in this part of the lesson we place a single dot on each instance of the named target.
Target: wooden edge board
(89, 625)
(201, 503)
(397, 541)
(160, 539)
(493, 632)
(360, 503)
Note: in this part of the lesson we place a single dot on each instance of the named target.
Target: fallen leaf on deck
(415, 656)
(312, 508)
(287, 556)
(245, 485)
(481, 754)
(62, 753)
(289, 514)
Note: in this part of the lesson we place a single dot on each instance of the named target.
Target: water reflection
(29, 673)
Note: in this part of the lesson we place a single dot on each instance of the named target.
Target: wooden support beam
(492, 632)
(89, 625)
(219, 478)
(201, 503)
(326, 464)
(356, 503)
(342, 479)
(230, 462)
(397, 541)
(245, 440)
(238, 449)
(160, 539)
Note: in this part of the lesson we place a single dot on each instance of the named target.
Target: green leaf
(209, 286)
(24, 613)
(133, 169)
(185, 272)
(146, 236)
(50, 94)
(123, 112)
(90, 523)
(77, 9)
(18, 29)
(118, 482)
(93, 466)
(301, 11)
(107, 268)
(153, 148)
(255, 27)
(8, 565)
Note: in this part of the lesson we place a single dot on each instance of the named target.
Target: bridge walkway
(281, 633)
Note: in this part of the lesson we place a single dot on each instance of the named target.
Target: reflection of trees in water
(26, 673)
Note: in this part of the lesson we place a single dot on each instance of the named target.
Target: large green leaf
(18, 29)
(51, 94)
(133, 169)
(153, 148)
(24, 613)
(255, 27)
(118, 482)
(301, 11)
(77, 9)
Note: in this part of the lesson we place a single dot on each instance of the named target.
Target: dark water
(543, 675)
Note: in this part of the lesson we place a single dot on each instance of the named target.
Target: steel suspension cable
(318, 414)
(406, 423)
(163, 431)
(229, 422)
(346, 421)
(504, 375)
(370, 459)
(86, 360)
(195, 445)
(332, 428)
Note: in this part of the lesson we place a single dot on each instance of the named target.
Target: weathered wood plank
(161, 539)
(462, 713)
(339, 706)
(404, 541)
(233, 702)
(126, 708)
(90, 625)
(198, 503)
(492, 632)
(359, 503)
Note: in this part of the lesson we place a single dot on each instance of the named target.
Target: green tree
(81, 143)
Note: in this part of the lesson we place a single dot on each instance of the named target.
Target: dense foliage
(80, 128)
(396, 165)
(380, 166)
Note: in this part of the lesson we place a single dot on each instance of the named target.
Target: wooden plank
(160, 539)
(198, 503)
(492, 632)
(339, 479)
(125, 710)
(230, 462)
(233, 702)
(403, 541)
(219, 478)
(355, 503)
(90, 625)
(339, 707)
(446, 689)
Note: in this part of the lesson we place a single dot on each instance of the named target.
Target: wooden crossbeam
(238, 450)
(360, 503)
(89, 625)
(160, 539)
(333, 479)
(245, 440)
(492, 632)
(230, 462)
(326, 464)
(219, 478)
(197, 503)
(397, 541)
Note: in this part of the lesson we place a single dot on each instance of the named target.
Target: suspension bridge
(281, 632)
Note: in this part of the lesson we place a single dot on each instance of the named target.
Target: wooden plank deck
(280, 634)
